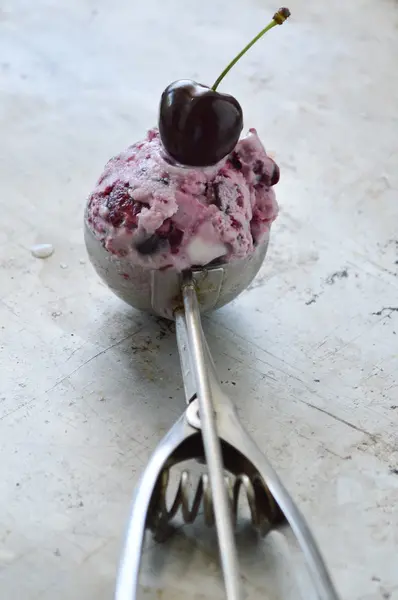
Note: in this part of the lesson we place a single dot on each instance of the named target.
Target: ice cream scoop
(160, 215)
(190, 196)
(158, 291)
(147, 215)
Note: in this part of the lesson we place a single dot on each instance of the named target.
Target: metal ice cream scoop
(156, 291)
(208, 429)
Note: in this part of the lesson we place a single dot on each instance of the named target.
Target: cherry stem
(279, 18)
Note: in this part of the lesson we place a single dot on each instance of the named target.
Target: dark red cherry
(198, 126)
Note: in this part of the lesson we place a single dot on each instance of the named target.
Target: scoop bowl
(159, 292)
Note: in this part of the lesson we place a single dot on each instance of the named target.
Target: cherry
(117, 203)
(199, 126)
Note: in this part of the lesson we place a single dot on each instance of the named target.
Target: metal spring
(262, 515)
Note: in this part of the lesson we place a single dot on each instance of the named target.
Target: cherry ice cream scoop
(190, 195)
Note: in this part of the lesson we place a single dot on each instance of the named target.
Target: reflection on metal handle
(211, 443)
(188, 377)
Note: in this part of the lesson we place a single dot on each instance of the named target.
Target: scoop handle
(211, 442)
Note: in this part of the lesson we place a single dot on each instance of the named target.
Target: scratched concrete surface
(309, 352)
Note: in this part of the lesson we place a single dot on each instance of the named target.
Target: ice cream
(158, 214)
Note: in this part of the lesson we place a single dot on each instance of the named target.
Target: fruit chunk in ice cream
(159, 215)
